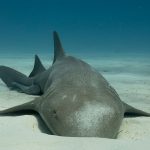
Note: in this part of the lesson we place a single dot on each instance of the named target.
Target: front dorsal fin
(38, 67)
(58, 50)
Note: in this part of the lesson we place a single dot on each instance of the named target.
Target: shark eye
(54, 113)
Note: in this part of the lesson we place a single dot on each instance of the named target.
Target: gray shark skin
(18, 81)
(38, 67)
(75, 100)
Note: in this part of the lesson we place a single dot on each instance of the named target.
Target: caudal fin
(129, 110)
(9, 75)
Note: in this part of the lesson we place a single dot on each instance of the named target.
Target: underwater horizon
(87, 28)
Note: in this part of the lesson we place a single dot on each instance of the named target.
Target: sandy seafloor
(128, 74)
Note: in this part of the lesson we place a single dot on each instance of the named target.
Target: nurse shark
(74, 99)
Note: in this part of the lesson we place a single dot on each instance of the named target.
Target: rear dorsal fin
(58, 50)
(38, 67)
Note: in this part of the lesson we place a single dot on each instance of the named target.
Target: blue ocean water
(92, 28)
